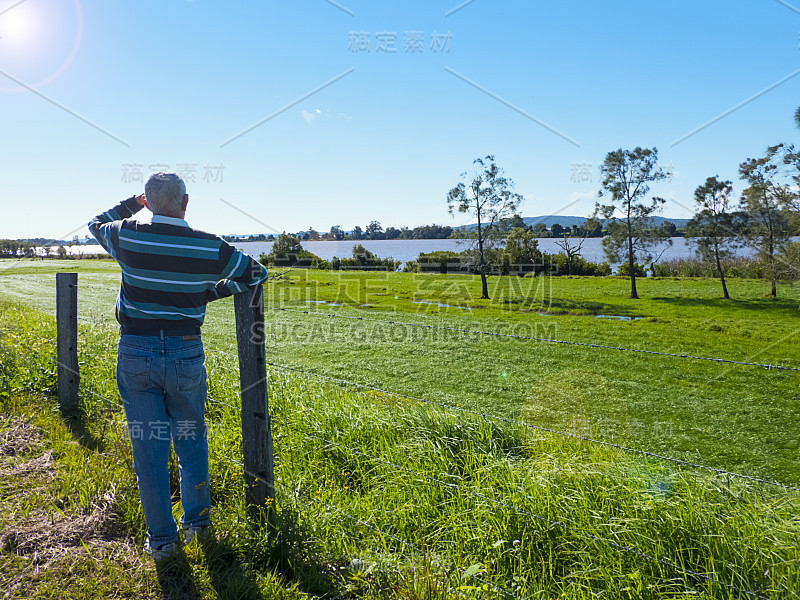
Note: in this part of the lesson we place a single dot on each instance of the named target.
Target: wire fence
(317, 313)
(450, 407)
(93, 321)
(104, 324)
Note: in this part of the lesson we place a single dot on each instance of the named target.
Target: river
(406, 250)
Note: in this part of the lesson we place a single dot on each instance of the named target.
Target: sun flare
(17, 25)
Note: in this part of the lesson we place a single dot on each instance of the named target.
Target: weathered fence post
(67, 341)
(259, 474)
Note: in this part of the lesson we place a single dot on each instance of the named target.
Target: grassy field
(726, 416)
(536, 514)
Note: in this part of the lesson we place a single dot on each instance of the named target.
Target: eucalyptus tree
(714, 229)
(489, 197)
(631, 235)
(767, 202)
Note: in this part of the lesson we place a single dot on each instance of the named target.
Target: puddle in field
(618, 317)
(439, 304)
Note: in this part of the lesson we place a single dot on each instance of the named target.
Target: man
(169, 273)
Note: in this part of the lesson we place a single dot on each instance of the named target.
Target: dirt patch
(41, 465)
(46, 533)
(51, 534)
(20, 438)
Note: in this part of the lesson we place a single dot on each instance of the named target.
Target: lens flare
(38, 41)
(17, 25)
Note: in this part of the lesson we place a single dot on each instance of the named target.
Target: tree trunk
(484, 284)
(774, 291)
(634, 295)
(721, 274)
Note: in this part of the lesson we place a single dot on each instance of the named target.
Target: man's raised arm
(105, 226)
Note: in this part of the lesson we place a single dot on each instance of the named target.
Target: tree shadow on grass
(774, 306)
(564, 306)
(175, 579)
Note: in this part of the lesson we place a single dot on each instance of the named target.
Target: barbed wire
(540, 339)
(107, 399)
(538, 427)
(519, 511)
(221, 403)
(511, 421)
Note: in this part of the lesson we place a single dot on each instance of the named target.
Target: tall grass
(740, 267)
(381, 497)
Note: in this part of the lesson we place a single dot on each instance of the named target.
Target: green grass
(726, 416)
(744, 535)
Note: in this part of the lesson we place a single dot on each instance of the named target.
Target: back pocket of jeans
(133, 373)
(191, 373)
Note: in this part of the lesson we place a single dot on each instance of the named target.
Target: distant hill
(567, 221)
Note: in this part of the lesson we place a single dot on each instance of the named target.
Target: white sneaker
(192, 532)
(161, 552)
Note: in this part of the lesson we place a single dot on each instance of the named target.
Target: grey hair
(164, 193)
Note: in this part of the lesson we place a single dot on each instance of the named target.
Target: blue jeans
(162, 382)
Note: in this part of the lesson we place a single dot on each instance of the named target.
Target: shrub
(624, 270)
(364, 260)
(444, 261)
(740, 267)
(287, 251)
(580, 266)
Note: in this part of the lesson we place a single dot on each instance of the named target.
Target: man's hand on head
(140, 199)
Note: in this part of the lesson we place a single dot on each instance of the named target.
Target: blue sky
(94, 94)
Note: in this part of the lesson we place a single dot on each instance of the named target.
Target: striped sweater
(169, 270)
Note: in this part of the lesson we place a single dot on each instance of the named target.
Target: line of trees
(17, 249)
(763, 219)
(375, 231)
(287, 251)
(767, 214)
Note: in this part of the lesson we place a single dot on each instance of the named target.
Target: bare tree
(571, 246)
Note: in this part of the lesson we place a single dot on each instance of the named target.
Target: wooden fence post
(259, 476)
(67, 341)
